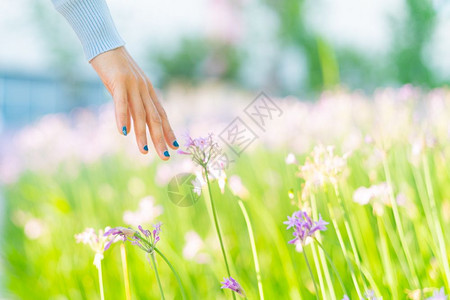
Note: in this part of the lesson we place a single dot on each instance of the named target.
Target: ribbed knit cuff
(92, 22)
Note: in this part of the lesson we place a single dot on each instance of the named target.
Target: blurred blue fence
(25, 98)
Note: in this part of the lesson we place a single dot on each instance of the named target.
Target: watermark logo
(238, 136)
(183, 190)
(263, 110)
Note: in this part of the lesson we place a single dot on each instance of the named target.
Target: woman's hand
(133, 94)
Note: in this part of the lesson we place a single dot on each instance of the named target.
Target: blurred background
(209, 59)
(290, 47)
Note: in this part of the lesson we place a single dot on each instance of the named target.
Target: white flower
(34, 228)
(197, 184)
(378, 195)
(290, 159)
(299, 246)
(362, 195)
(96, 242)
(98, 260)
(222, 180)
(145, 214)
(237, 188)
(417, 294)
(320, 167)
(194, 248)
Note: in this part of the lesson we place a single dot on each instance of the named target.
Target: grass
(392, 249)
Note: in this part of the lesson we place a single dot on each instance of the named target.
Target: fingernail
(175, 143)
(124, 130)
(166, 153)
(146, 148)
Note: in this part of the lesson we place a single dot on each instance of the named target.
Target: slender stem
(386, 260)
(372, 282)
(253, 245)
(183, 293)
(126, 279)
(344, 249)
(319, 272)
(399, 226)
(216, 223)
(321, 254)
(349, 232)
(437, 224)
(311, 273)
(395, 243)
(100, 281)
(332, 266)
(152, 255)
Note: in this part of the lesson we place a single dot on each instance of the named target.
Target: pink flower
(232, 284)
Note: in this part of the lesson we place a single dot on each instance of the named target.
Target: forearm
(131, 89)
(92, 22)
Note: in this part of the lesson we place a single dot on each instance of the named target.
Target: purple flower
(303, 226)
(203, 149)
(370, 295)
(156, 231)
(319, 225)
(232, 284)
(345, 297)
(144, 238)
(146, 233)
(438, 295)
(118, 232)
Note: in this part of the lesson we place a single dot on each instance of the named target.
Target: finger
(121, 111)
(169, 135)
(129, 120)
(139, 119)
(154, 124)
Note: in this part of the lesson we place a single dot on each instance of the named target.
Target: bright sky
(358, 23)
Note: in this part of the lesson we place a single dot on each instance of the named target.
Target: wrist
(92, 22)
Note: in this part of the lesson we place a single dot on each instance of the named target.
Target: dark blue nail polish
(146, 148)
(166, 153)
(124, 130)
(175, 143)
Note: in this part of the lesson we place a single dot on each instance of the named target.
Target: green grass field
(394, 245)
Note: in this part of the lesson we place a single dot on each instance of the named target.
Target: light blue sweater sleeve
(92, 22)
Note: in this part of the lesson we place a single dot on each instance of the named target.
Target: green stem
(386, 260)
(349, 232)
(123, 254)
(332, 266)
(310, 273)
(321, 254)
(157, 275)
(319, 271)
(399, 226)
(183, 293)
(437, 224)
(344, 249)
(395, 243)
(100, 281)
(253, 245)
(216, 223)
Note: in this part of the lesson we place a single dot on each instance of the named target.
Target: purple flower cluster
(203, 149)
(118, 232)
(144, 238)
(438, 294)
(232, 284)
(150, 237)
(303, 226)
